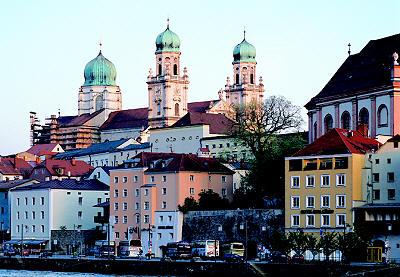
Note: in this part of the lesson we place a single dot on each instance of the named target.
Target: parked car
(233, 258)
(297, 259)
(45, 254)
(10, 253)
(279, 257)
(25, 252)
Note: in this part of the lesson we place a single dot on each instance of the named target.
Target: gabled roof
(7, 185)
(73, 168)
(77, 120)
(14, 166)
(41, 149)
(219, 123)
(361, 72)
(202, 106)
(70, 184)
(339, 141)
(174, 162)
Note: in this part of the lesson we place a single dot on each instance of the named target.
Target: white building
(167, 228)
(41, 208)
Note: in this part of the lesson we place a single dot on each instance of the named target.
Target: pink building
(160, 182)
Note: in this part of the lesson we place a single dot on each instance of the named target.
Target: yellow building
(323, 182)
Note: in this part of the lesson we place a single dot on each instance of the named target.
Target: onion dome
(244, 52)
(100, 72)
(167, 41)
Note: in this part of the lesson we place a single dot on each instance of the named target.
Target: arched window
(158, 108)
(345, 119)
(176, 109)
(315, 131)
(237, 79)
(382, 116)
(98, 103)
(159, 69)
(251, 78)
(364, 116)
(175, 69)
(328, 122)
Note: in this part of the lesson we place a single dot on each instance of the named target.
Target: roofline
(320, 156)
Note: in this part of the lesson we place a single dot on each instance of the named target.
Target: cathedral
(101, 118)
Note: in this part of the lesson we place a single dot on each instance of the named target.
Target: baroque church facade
(101, 118)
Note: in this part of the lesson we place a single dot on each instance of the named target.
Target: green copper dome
(100, 72)
(167, 41)
(244, 52)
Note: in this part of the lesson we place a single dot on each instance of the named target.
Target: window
(115, 206)
(237, 79)
(33, 228)
(152, 179)
(375, 177)
(328, 122)
(228, 145)
(376, 161)
(345, 120)
(42, 228)
(164, 191)
(26, 215)
(125, 206)
(364, 116)
(17, 228)
(390, 177)
(158, 108)
(310, 202)
(33, 215)
(136, 206)
(17, 201)
(116, 219)
(137, 218)
(164, 205)
(125, 219)
(115, 180)
(41, 200)
(170, 218)
(310, 220)
(125, 193)
(295, 220)
(80, 199)
(164, 178)
(117, 235)
(42, 214)
(389, 161)
(171, 235)
(295, 202)
(79, 214)
(340, 201)
(224, 192)
(17, 215)
(191, 191)
(159, 235)
(116, 193)
(382, 116)
(135, 179)
(220, 145)
(33, 201)
(391, 194)
(137, 192)
(325, 181)
(176, 109)
(325, 201)
(146, 218)
(175, 69)
(325, 220)
(26, 200)
(340, 179)
(146, 192)
(395, 144)
(340, 220)
(191, 178)
(223, 178)
(295, 182)
(310, 181)
(98, 200)
(124, 179)
(146, 205)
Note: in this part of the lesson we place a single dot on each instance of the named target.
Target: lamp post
(244, 226)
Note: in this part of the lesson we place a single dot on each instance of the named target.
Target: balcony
(100, 219)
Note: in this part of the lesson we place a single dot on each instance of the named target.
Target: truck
(104, 250)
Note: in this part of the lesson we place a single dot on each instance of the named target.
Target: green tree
(190, 204)
(279, 241)
(313, 245)
(210, 200)
(328, 244)
(351, 245)
(298, 241)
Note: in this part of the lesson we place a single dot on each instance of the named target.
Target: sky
(45, 45)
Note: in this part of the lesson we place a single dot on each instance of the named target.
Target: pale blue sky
(44, 46)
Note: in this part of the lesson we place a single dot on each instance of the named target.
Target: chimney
(73, 161)
(69, 174)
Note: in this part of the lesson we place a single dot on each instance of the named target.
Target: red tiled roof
(339, 141)
(41, 149)
(14, 166)
(80, 168)
(76, 120)
(219, 123)
(138, 118)
(167, 162)
(369, 69)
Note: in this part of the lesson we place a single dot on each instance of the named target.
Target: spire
(349, 51)
(168, 23)
(100, 45)
(244, 32)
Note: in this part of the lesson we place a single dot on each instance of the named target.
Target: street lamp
(244, 226)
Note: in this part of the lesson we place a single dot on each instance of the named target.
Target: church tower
(167, 89)
(244, 89)
(99, 90)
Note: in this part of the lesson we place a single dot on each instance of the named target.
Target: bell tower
(167, 88)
